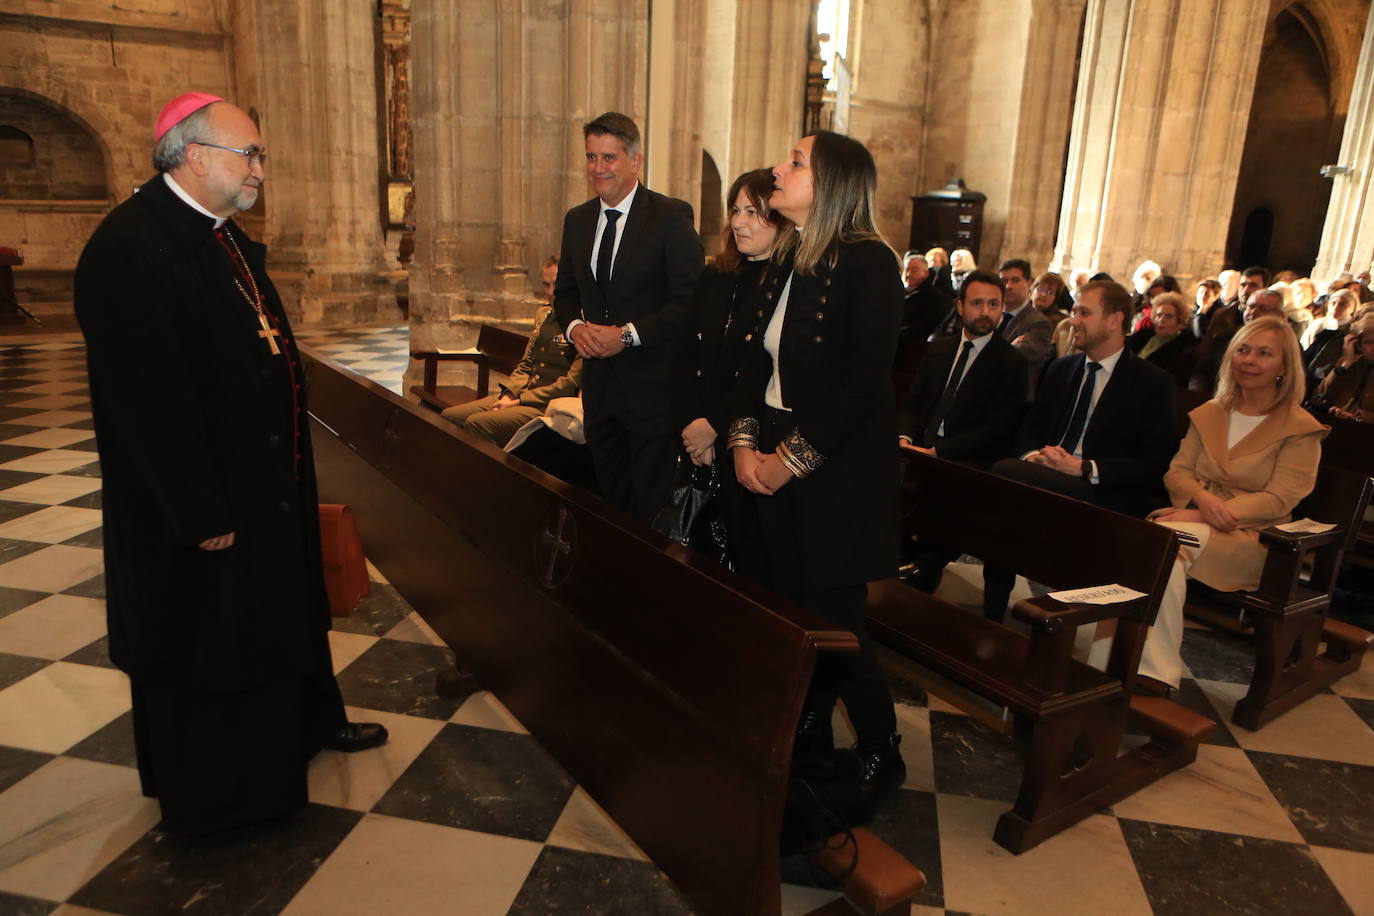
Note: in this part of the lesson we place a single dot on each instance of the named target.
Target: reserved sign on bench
(1305, 526)
(1097, 594)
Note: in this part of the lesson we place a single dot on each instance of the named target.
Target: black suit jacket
(982, 422)
(1129, 435)
(1176, 357)
(652, 279)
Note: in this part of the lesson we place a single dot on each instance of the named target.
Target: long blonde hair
(1290, 388)
(844, 189)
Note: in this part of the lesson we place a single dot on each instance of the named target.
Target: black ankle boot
(883, 770)
(813, 734)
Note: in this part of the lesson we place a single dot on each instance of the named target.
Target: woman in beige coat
(1250, 455)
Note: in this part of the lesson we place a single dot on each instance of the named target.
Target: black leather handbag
(693, 515)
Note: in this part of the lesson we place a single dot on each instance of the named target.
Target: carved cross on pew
(269, 333)
(558, 538)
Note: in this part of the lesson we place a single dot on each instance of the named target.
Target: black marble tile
(1215, 655)
(16, 905)
(11, 383)
(909, 823)
(88, 501)
(112, 744)
(86, 470)
(88, 423)
(971, 759)
(85, 445)
(13, 549)
(11, 430)
(1189, 872)
(14, 371)
(482, 779)
(1363, 708)
(571, 881)
(12, 599)
(903, 690)
(1331, 803)
(14, 668)
(15, 478)
(96, 654)
(11, 509)
(252, 870)
(375, 614)
(1190, 695)
(93, 587)
(93, 538)
(12, 413)
(396, 676)
(15, 764)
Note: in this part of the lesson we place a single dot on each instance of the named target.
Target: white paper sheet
(1305, 526)
(1097, 594)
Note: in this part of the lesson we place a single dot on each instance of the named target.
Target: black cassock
(201, 431)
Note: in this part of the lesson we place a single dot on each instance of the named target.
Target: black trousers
(634, 469)
(779, 561)
(216, 761)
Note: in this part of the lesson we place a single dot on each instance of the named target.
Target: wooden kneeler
(882, 881)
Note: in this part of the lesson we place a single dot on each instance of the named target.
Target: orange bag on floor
(345, 571)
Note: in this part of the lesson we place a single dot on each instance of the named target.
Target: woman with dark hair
(812, 442)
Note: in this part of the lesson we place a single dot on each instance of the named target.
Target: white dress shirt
(1104, 375)
(624, 208)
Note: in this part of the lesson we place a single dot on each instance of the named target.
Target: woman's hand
(1214, 511)
(698, 437)
(772, 473)
(747, 461)
(706, 458)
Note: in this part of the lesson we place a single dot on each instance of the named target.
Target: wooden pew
(1298, 649)
(668, 687)
(497, 350)
(1350, 445)
(1070, 718)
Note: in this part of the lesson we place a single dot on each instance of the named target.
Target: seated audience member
(1205, 297)
(937, 258)
(1049, 294)
(1025, 326)
(1325, 336)
(556, 444)
(924, 306)
(1236, 290)
(1168, 343)
(1250, 455)
(1335, 286)
(961, 264)
(1263, 303)
(1305, 294)
(1362, 287)
(1285, 276)
(1101, 428)
(970, 391)
(1078, 278)
(545, 372)
(1297, 316)
(1061, 341)
(1165, 283)
(1346, 391)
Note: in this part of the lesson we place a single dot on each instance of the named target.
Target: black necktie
(947, 398)
(606, 251)
(1080, 411)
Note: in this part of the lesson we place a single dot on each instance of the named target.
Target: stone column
(501, 90)
(772, 43)
(1348, 235)
(316, 85)
(1164, 92)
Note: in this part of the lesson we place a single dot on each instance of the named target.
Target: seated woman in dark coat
(1168, 342)
(1347, 391)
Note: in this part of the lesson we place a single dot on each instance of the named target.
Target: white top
(1239, 427)
(190, 201)
(772, 337)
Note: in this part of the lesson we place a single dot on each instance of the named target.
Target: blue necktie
(1079, 418)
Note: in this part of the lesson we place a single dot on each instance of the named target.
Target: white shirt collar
(979, 343)
(1109, 363)
(624, 205)
(190, 201)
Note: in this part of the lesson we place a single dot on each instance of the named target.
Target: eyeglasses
(254, 155)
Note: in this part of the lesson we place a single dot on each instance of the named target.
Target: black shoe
(1149, 687)
(883, 771)
(813, 734)
(357, 736)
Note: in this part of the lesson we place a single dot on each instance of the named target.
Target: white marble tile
(913, 724)
(586, 826)
(57, 343)
(51, 525)
(52, 569)
(1353, 875)
(358, 781)
(345, 647)
(1359, 684)
(53, 628)
(52, 401)
(373, 573)
(51, 418)
(414, 629)
(53, 375)
(368, 365)
(57, 706)
(53, 461)
(51, 387)
(63, 823)
(483, 710)
(1323, 726)
(437, 869)
(51, 438)
(54, 489)
(801, 901)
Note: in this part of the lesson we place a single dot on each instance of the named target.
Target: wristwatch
(627, 337)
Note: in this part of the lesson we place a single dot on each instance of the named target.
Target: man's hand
(505, 401)
(907, 444)
(217, 543)
(597, 341)
(1055, 458)
(1214, 511)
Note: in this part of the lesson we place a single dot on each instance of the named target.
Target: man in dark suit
(925, 304)
(1024, 325)
(971, 390)
(1262, 303)
(629, 262)
(1101, 428)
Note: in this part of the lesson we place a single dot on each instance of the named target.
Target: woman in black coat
(812, 441)
(1168, 342)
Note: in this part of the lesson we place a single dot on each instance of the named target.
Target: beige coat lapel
(1212, 424)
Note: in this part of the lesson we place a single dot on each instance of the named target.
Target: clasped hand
(759, 472)
(1055, 458)
(1211, 509)
(596, 341)
(699, 439)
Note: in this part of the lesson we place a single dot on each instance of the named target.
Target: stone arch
(57, 158)
(87, 116)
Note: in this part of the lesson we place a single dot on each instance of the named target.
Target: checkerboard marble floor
(381, 352)
(463, 812)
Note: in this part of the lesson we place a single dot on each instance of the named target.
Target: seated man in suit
(969, 397)
(546, 371)
(1024, 325)
(1101, 429)
(925, 304)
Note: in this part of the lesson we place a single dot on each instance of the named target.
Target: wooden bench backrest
(1350, 445)
(1339, 497)
(669, 688)
(504, 349)
(1044, 536)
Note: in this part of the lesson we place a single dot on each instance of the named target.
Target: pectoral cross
(268, 333)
